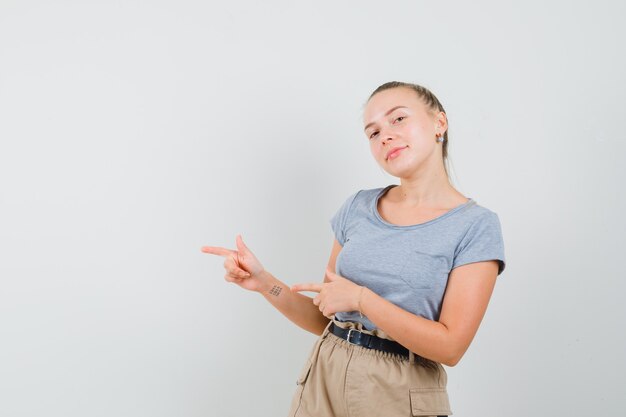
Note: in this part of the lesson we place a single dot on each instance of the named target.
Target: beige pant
(340, 379)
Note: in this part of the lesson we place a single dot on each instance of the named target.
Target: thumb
(241, 247)
(331, 275)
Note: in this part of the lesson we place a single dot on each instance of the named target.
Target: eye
(373, 133)
(400, 118)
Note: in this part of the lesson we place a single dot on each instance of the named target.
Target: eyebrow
(386, 114)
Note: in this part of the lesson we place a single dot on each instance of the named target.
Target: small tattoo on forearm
(276, 290)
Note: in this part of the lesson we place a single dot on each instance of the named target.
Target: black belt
(369, 341)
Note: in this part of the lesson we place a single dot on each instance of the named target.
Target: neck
(432, 190)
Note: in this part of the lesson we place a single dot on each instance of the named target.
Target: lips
(392, 150)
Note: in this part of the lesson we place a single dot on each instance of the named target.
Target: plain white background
(132, 133)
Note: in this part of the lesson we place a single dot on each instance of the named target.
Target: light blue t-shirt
(409, 265)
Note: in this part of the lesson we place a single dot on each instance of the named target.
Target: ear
(441, 122)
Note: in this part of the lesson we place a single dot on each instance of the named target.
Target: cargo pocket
(304, 373)
(429, 402)
(297, 396)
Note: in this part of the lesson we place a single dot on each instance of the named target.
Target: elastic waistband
(366, 339)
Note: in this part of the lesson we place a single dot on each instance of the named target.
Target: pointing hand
(339, 294)
(242, 267)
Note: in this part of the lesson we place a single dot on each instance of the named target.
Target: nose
(385, 135)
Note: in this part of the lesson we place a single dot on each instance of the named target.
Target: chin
(401, 168)
(399, 173)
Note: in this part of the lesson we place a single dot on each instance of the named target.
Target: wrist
(360, 300)
(364, 300)
(267, 281)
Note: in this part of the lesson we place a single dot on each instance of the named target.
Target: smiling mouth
(395, 153)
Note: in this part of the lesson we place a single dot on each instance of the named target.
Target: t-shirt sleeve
(339, 219)
(482, 242)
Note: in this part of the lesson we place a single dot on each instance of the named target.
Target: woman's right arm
(246, 271)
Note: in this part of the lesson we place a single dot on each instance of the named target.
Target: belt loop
(327, 328)
(411, 357)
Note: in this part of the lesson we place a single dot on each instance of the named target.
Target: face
(402, 132)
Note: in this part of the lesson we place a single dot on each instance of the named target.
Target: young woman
(409, 278)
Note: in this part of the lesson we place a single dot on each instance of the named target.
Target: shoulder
(477, 213)
(478, 223)
(363, 195)
(369, 194)
(482, 238)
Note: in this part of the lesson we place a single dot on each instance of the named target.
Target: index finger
(216, 250)
(307, 287)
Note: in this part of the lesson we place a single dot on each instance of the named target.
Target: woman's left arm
(464, 304)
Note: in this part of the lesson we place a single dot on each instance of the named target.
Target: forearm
(427, 338)
(296, 307)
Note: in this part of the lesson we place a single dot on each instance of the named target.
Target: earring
(440, 138)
